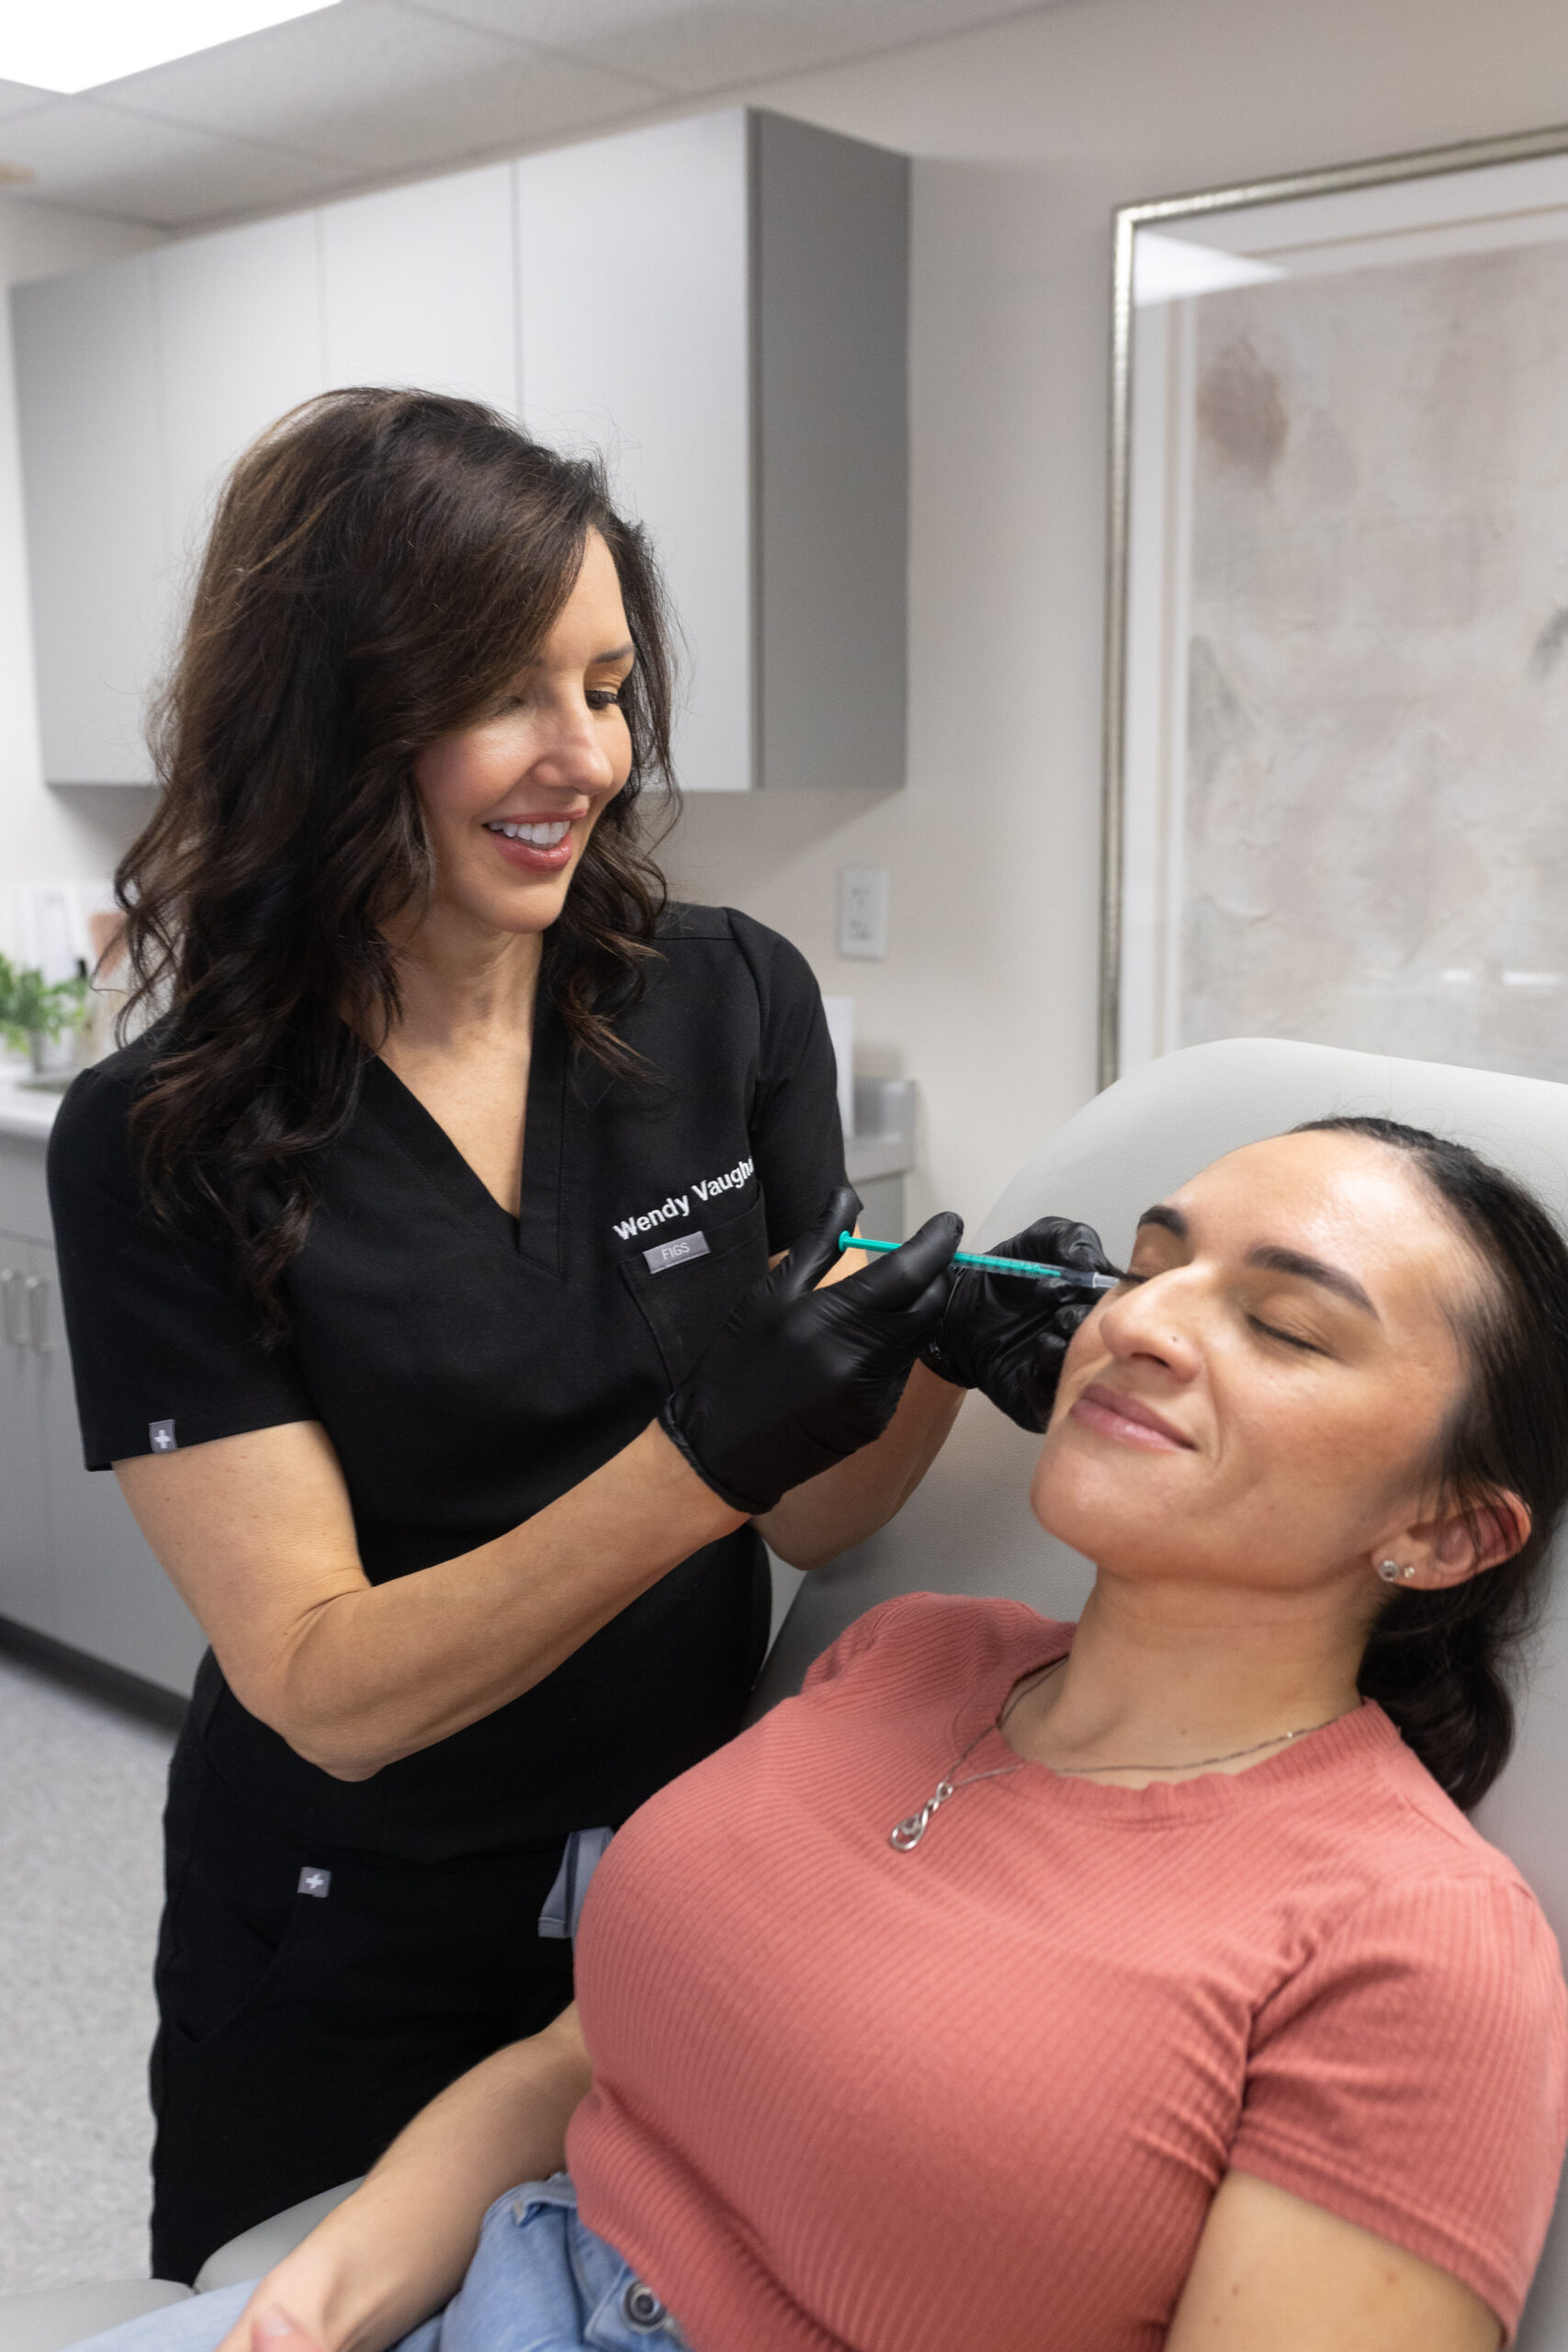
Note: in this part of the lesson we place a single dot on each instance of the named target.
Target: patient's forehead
(1343, 1197)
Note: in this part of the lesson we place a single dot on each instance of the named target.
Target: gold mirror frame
(1422, 164)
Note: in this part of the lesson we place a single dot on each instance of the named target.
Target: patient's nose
(1154, 1319)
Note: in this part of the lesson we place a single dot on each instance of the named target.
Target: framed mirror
(1336, 676)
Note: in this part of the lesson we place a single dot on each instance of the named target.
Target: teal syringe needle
(1026, 1266)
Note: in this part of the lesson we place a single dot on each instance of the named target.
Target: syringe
(1071, 1276)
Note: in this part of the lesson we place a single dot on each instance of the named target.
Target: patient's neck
(1172, 1675)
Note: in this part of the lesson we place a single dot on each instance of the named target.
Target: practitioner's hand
(799, 1377)
(1007, 1336)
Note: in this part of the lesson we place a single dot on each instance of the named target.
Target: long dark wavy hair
(380, 564)
(1439, 1662)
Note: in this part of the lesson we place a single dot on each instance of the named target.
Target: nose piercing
(1391, 1573)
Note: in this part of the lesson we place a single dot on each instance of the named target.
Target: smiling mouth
(1128, 1420)
(544, 833)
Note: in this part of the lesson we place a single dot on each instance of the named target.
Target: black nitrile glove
(1005, 1335)
(800, 1378)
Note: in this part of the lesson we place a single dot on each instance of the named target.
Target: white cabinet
(720, 304)
(635, 341)
(74, 1567)
(87, 412)
(27, 1581)
(138, 384)
(419, 286)
(240, 341)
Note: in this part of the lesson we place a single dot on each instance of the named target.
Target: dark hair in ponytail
(1439, 1662)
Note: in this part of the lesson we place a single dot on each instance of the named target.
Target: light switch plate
(863, 912)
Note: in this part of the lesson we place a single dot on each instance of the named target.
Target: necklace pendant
(905, 1835)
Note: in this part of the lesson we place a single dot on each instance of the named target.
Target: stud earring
(1390, 1571)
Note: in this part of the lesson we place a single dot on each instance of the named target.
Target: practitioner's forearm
(815, 1523)
(397, 2248)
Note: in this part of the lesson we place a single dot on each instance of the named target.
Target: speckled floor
(81, 1793)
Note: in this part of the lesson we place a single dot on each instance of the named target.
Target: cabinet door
(98, 551)
(26, 1587)
(111, 1598)
(632, 262)
(420, 287)
(240, 342)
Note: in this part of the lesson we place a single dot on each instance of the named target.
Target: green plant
(32, 1007)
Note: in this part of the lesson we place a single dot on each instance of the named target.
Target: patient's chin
(1097, 1498)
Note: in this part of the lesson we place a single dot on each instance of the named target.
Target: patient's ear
(1459, 1544)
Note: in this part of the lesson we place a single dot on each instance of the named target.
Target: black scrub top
(469, 1367)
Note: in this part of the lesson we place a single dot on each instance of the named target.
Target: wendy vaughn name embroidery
(679, 1204)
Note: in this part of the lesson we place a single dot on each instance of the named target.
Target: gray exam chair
(969, 1528)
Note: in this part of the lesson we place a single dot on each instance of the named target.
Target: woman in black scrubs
(398, 1255)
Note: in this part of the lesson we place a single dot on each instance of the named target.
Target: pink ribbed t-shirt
(981, 2094)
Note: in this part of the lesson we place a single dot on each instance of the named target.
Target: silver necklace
(906, 1834)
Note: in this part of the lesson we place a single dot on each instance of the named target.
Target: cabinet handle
(37, 1291)
(10, 1303)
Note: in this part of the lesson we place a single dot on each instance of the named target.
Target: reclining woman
(1094, 1989)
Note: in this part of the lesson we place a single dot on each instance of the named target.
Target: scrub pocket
(685, 1304)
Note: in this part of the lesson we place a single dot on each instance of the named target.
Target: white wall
(44, 835)
(1027, 137)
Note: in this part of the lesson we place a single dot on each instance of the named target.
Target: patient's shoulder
(1424, 1827)
(921, 1639)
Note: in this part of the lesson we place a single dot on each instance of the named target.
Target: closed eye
(1288, 1339)
(1269, 1330)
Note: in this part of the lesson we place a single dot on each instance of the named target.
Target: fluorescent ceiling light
(1165, 269)
(70, 45)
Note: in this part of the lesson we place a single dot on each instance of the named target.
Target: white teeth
(543, 836)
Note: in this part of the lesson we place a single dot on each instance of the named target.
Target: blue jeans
(540, 2281)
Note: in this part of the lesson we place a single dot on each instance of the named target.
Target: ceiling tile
(383, 86)
(691, 46)
(86, 154)
(373, 86)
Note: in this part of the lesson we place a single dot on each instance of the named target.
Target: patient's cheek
(1083, 1348)
(1085, 1355)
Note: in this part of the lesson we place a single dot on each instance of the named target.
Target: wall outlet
(863, 912)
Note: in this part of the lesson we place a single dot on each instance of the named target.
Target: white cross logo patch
(313, 1882)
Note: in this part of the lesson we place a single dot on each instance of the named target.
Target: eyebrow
(1313, 1269)
(1171, 1219)
(1275, 1259)
(626, 652)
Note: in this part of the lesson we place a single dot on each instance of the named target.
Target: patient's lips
(1128, 1419)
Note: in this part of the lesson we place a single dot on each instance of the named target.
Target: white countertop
(27, 1110)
